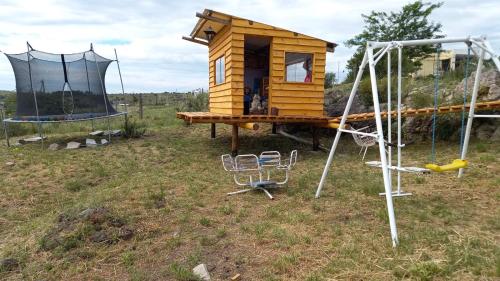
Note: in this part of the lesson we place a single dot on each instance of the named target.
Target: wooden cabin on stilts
(259, 73)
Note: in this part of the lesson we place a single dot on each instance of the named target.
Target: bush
(133, 129)
(194, 102)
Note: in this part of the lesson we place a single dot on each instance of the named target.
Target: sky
(147, 34)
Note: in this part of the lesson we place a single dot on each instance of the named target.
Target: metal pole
(40, 134)
(400, 74)
(381, 145)
(389, 125)
(420, 42)
(123, 89)
(472, 106)
(342, 124)
(103, 95)
(2, 115)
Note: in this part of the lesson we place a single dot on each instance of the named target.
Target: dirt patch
(95, 225)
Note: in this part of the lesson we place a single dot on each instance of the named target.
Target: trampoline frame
(39, 122)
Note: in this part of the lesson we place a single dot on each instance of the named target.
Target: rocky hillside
(418, 93)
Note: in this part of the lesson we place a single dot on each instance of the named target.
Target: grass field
(153, 208)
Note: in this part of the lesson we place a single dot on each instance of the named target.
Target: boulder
(485, 131)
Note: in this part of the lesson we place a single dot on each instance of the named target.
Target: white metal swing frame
(371, 60)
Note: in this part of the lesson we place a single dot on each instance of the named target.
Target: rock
(10, 164)
(114, 133)
(31, 140)
(99, 237)
(53, 146)
(104, 141)
(9, 264)
(95, 215)
(125, 233)
(485, 131)
(496, 135)
(116, 222)
(201, 271)
(90, 143)
(73, 145)
(96, 133)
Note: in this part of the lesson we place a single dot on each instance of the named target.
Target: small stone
(33, 139)
(9, 164)
(104, 141)
(95, 215)
(202, 272)
(73, 145)
(96, 133)
(116, 222)
(99, 237)
(125, 233)
(9, 264)
(54, 146)
(90, 143)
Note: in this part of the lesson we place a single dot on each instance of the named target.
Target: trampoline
(61, 88)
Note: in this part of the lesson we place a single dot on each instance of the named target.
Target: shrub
(194, 102)
(133, 129)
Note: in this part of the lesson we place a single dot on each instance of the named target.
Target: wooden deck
(480, 106)
(208, 117)
(238, 121)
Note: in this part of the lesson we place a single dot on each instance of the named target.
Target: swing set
(479, 46)
(457, 163)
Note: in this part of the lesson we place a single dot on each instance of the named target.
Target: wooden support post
(315, 136)
(274, 129)
(212, 130)
(140, 106)
(235, 141)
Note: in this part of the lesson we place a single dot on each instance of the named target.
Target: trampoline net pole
(103, 95)
(40, 133)
(123, 90)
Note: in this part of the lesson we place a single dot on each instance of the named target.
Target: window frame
(223, 70)
(312, 70)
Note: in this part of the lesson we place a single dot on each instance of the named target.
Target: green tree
(329, 80)
(408, 24)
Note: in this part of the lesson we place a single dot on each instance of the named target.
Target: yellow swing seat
(454, 165)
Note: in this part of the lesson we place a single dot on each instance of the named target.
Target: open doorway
(256, 74)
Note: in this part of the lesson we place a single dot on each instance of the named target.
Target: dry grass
(170, 189)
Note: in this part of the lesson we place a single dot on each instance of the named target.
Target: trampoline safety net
(60, 86)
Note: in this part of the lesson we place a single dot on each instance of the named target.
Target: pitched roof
(217, 20)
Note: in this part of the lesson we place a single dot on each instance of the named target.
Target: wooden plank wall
(220, 97)
(291, 98)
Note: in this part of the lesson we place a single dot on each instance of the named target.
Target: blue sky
(147, 34)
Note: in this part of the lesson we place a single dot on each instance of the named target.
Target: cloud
(147, 34)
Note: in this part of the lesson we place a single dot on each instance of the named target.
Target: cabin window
(299, 67)
(220, 71)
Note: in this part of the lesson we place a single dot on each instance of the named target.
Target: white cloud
(157, 59)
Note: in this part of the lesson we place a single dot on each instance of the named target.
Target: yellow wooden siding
(291, 98)
(295, 98)
(220, 100)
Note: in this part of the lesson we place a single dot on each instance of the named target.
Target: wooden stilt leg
(235, 142)
(212, 130)
(315, 137)
(274, 129)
